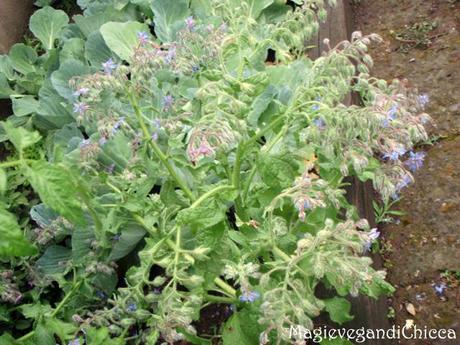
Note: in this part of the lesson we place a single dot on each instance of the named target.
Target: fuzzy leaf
(241, 328)
(24, 105)
(130, 237)
(46, 24)
(54, 260)
(338, 309)
(23, 58)
(169, 18)
(69, 69)
(201, 217)
(122, 38)
(56, 189)
(13, 241)
(20, 137)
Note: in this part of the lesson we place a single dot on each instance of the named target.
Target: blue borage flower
(80, 108)
(316, 107)
(319, 123)
(101, 294)
(415, 160)
(439, 288)
(132, 307)
(406, 180)
(423, 100)
(117, 125)
(249, 296)
(109, 66)
(395, 154)
(373, 236)
(74, 342)
(143, 38)
(391, 116)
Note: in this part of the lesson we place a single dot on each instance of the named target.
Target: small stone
(410, 309)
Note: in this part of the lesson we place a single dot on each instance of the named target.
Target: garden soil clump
(422, 248)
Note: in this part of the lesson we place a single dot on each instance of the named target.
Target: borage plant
(201, 174)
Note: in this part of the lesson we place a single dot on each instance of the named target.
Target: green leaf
(5, 89)
(261, 104)
(23, 106)
(6, 68)
(23, 58)
(338, 309)
(277, 171)
(56, 189)
(54, 260)
(46, 24)
(69, 69)
(51, 112)
(202, 216)
(122, 38)
(43, 215)
(130, 237)
(81, 243)
(3, 181)
(73, 49)
(13, 241)
(169, 18)
(242, 328)
(96, 51)
(20, 137)
(43, 335)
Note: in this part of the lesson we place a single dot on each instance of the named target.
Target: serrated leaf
(24, 105)
(23, 58)
(46, 24)
(20, 137)
(169, 18)
(54, 260)
(338, 309)
(122, 38)
(13, 241)
(56, 189)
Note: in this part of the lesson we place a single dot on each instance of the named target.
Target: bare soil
(422, 249)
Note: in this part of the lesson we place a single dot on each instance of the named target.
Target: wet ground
(422, 249)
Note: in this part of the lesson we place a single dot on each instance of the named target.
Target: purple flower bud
(415, 160)
(167, 102)
(190, 22)
(109, 66)
(80, 108)
(143, 38)
(373, 235)
(74, 342)
(170, 55)
(249, 296)
(81, 92)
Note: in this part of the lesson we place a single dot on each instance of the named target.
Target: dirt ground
(422, 248)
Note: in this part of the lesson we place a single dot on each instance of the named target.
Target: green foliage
(160, 164)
